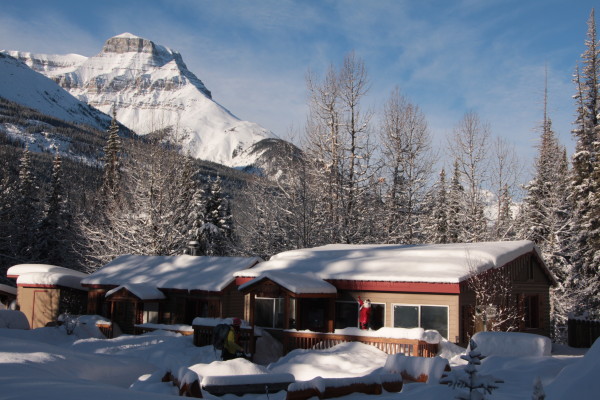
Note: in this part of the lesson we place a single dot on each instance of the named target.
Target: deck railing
(314, 340)
(203, 336)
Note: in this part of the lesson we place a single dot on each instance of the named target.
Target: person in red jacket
(364, 313)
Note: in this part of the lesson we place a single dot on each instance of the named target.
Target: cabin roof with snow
(300, 284)
(185, 272)
(46, 275)
(141, 291)
(430, 263)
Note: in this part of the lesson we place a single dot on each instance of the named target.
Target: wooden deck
(315, 340)
(203, 336)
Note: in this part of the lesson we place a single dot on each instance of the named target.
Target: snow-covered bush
(13, 319)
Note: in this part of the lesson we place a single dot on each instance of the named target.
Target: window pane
(264, 312)
(346, 315)
(406, 316)
(377, 316)
(433, 317)
(279, 312)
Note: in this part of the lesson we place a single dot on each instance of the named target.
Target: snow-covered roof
(20, 269)
(435, 263)
(171, 272)
(8, 289)
(141, 291)
(294, 282)
(45, 274)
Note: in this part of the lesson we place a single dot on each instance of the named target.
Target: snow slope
(152, 89)
(22, 85)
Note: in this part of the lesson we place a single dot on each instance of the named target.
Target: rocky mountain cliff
(153, 90)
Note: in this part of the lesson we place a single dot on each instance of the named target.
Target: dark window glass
(264, 313)
(436, 318)
(346, 315)
(406, 316)
(279, 306)
(377, 316)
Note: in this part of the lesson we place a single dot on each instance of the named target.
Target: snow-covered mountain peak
(152, 89)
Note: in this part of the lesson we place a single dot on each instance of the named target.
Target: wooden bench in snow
(246, 384)
(327, 388)
(417, 369)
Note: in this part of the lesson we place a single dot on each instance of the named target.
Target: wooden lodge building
(426, 286)
(166, 290)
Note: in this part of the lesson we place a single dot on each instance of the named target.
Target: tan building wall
(40, 305)
(390, 299)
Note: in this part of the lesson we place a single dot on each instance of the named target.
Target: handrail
(316, 340)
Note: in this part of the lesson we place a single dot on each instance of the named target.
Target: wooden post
(331, 315)
(286, 312)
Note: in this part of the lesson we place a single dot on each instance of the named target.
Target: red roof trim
(39, 285)
(384, 286)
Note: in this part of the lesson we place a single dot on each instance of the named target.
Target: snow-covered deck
(317, 340)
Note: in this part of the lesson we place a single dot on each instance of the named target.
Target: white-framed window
(269, 312)
(422, 316)
(347, 312)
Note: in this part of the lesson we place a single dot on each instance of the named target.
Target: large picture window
(346, 315)
(419, 316)
(269, 312)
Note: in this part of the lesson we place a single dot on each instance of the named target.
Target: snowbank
(12, 319)
(512, 344)
(345, 360)
(580, 378)
(417, 369)
(216, 321)
(428, 336)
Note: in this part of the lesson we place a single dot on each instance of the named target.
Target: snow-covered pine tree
(437, 227)
(472, 385)
(546, 216)
(112, 160)
(538, 390)
(26, 213)
(585, 187)
(55, 235)
(456, 208)
(408, 163)
(217, 231)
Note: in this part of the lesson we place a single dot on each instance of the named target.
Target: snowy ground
(48, 363)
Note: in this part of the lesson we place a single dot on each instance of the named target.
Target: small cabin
(46, 291)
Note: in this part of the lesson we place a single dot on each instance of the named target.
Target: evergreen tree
(456, 208)
(112, 160)
(472, 385)
(55, 232)
(586, 179)
(438, 227)
(546, 219)
(217, 231)
(25, 213)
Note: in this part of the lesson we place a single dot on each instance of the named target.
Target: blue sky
(448, 57)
